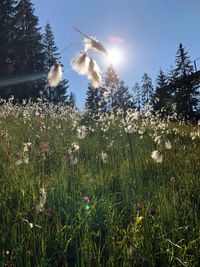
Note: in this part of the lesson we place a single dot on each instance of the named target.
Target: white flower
(43, 197)
(73, 159)
(81, 131)
(74, 148)
(94, 74)
(38, 208)
(157, 156)
(31, 225)
(168, 144)
(104, 157)
(129, 129)
(157, 140)
(81, 63)
(55, 75)
(26, 160)
(19, 162)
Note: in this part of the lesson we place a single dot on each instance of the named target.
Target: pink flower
(86, 200)
(138, 206)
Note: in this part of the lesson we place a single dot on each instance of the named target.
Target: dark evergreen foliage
(72, 100)
(58, 94)
(137, 95)
(186, 93)
(7, 37)
(28, 51)
(162, 99)
(147, 89)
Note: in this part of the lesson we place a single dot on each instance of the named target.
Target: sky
(147, 34)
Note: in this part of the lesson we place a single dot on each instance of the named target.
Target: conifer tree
(52, 55)
(186, 90)
(7, 36)
(162, 99)
(147, 89)
(137, 95)
(72, 100)
(92, 103)
(28, 52)
(123, 99)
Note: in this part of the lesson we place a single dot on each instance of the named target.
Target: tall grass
(140, 212)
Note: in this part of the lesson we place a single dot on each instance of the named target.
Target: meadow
(115, 191)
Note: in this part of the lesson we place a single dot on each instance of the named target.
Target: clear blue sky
(150, 30)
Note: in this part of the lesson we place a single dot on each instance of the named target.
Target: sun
(115, 56)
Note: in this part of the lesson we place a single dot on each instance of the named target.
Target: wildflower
(19, 162)
(43, 197)
(138, 206)
(81, 63)
(94, 74)
(31, 225)
(129, 129)
(38, 208)
(86, 200)
(45, 146)
(55, 75)
(81, 131)
(157, 140)
(168, 144)
(74, 148)
(104, 157)
(73, 159)
(157, 156)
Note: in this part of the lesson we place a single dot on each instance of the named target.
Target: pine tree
(93, 101)
(7, 35)
(137, 95)
(123, 99)
(162, 99)
(186, 91)
(147, 89)
(28, 50)
(52, 55)
(72, 100)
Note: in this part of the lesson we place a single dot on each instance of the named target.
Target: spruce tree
(7, 36)
(123, 99)
(93, 101)
(162, 99)
(52, 55)
(28, 52)
(137, 95)
(147, 89)
(186, 90)
(72, 100)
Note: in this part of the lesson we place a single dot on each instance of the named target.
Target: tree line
(174, 93)
(26, 52)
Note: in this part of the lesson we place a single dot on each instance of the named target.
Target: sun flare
(115, 56)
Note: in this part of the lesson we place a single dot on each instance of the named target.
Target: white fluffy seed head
(94, 74)
(92, 44)
(55, 75)
(157, 156)
(81, 63)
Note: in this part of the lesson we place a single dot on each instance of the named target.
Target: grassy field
(96, 195)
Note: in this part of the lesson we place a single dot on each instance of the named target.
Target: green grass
(111, 231)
